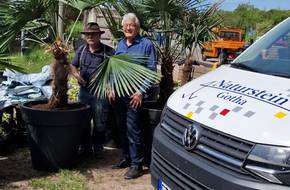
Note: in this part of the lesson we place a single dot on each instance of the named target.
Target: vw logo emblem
(190, 137)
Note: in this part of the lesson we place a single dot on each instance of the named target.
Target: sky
(230, 5)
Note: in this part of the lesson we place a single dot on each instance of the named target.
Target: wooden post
(60, 28)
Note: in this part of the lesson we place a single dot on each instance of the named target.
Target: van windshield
(270, 54)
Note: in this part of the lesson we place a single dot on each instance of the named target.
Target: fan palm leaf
(114, 24)
(201, 27)
(16, 14)
(8, 62)
(121, 75)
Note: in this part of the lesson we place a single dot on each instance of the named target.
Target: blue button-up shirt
(141, 47)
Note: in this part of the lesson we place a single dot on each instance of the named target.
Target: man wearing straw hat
(87, 59)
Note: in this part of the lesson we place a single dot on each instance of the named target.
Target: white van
(230, 128)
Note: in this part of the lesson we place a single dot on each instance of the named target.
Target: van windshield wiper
(243, 66)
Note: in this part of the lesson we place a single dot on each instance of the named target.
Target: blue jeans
(99, 108)
(131, 135)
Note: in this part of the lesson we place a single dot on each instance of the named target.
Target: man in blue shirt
(128, 108)
(87, 59)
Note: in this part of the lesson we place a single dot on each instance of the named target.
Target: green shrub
(33, 61)
(2, 132)
(76, 31)
(73, 89)
(5, 119)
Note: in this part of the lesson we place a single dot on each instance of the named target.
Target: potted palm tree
(55, 126)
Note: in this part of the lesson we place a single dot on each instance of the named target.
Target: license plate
(162, 185)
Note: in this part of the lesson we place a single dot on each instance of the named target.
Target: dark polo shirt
(88, 62)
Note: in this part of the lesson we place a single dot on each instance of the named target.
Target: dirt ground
(16, 172)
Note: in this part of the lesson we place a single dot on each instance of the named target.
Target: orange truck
(226, 47)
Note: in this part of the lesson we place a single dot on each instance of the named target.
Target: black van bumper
(179, 169)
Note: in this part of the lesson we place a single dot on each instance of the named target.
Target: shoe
(123, 163)
(133, 172)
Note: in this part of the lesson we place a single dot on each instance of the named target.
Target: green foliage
(8, 62)
(6, 117)
(16, 15)
(73, 89)
(121, 75)
(3, 130)
(2, 133)
(201, 27)
(253, 21)
(76, 32)
(64, 180)
(33, 61)
(263, 27)
(114, 23)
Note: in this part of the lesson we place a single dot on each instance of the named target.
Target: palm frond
(16, 14)
(81, 4)
(114, 23)
(121, 75)
(9, 63)
(201, 27)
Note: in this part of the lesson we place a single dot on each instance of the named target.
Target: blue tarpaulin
(19, 87)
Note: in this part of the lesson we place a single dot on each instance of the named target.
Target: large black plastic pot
(150, 117)
(54, 135)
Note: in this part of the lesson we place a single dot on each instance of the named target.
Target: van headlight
(270, 162)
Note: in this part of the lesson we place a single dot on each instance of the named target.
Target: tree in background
(197, 28)
(253, 21)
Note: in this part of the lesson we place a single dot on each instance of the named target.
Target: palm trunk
(193, 55)
(187, 70)
(60, 71)
(166, 84)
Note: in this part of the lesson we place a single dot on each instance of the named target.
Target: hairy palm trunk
(194, 55)
(187, 71)
(60, 72)
(59, 96)
(166, 84)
